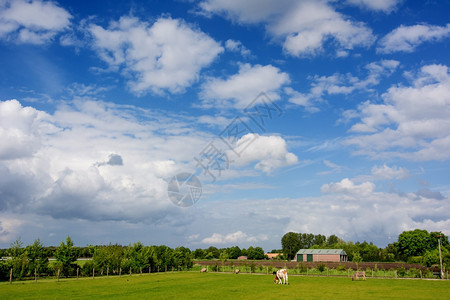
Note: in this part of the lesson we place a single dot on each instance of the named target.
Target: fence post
(59, 270)
(348, 272)
(10, 276)
(372, 273)
(396, 274)
(93, 273)
(78, 270)
(107, 271)
(120, 272)
(420, 274)
(149, 270)
(35, 275)
(141, 270)
(130, 271)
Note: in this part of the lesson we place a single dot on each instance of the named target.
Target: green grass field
(190, 285)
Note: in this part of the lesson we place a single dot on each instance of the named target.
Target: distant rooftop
(322, 251)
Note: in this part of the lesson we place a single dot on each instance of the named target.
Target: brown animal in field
(358, 274)
(237, 271)
(203, 270)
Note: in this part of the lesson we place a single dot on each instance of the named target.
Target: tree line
(414, 246)
(110, 259)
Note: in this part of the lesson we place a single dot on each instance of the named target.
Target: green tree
(413, 243)
(357, 258)
(66, 254)
(37, 257)
(199, 254)
(19, 259)
(255, 253)
(333, 239)
(234, 252)
(182, 257)
(290, 244)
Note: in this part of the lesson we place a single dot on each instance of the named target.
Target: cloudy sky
(328, 117)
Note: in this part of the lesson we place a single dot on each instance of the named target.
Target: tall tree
(290, 242)
(414, 243)
(37, 257)
(19, 259)
(66, 254)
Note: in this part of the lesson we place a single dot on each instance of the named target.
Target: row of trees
(229, 253)
(33, 259)
(414, 246)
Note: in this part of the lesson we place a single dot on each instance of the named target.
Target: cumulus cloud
(341, 84)
(167, 55)
(113, 160)
(303, 26)
(353, 212)
(270, 152)
(412, 122)
(59, 176)
(240, 89)
(237, 46)
(408, 38)
(386, 6)
(347, 186)
(34, 22)
(384, 172)
(19, 129)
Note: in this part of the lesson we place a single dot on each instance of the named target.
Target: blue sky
(100, 107)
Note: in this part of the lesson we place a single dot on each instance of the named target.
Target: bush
(86, 270)
(341, 268)
(321, 267)
(415, 260)
(401, 271)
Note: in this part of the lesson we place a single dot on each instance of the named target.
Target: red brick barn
(334, 255)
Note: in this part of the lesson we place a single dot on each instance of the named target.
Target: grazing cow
(358, 274)
(237, 271)
(281, 277)
(203, 270)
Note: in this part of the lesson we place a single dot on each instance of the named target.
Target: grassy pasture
(190, 285)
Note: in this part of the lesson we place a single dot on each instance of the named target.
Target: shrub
(401, 271)
(341, 268)
(415, 260)
(86, 270)
(215, 268)
(321, 267)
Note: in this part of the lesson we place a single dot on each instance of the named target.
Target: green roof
(322, 251)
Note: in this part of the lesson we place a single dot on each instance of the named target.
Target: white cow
(281, 277)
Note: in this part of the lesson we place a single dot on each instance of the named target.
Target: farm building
(273, 255)
(337, 255)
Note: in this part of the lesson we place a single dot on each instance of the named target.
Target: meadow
(196, 285)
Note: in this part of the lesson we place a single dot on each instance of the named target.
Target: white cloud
(166, 55)
(19, 130)
(234, 238)
(46, 168)
(408, 38)
(35, 22)
(341, 84)
(304, 26)
(270, 152)
(412, 123)
(347, 186)
(240, 89)
(386, 172)
(386, 6)
(353, 212)
(237, 46)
